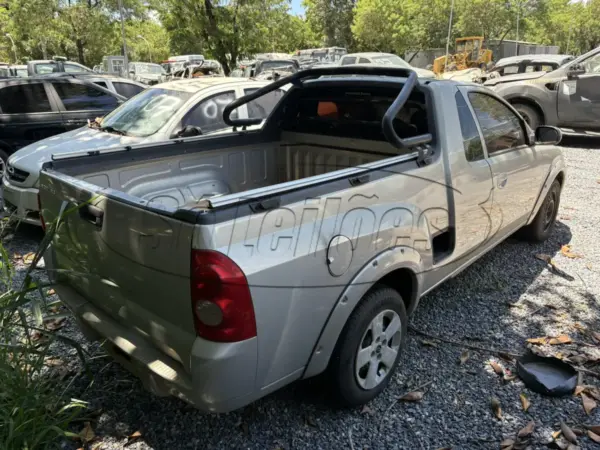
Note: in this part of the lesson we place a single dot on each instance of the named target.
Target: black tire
(342, 377)
(543, 224)
(3, 163)
(530, 114)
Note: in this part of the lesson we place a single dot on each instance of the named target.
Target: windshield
(391, 60)
(284, 65)
(146, 113)
(149, 68)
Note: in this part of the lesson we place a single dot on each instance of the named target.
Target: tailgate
(130, 262)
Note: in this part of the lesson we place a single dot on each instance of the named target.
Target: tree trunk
(213, 30)
(80, 55)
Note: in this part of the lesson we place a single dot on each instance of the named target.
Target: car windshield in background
(147, 112)
(391, 60)
(270, 65)
(149, 68)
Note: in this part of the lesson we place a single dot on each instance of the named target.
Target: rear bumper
(221, 376)
(21, 203)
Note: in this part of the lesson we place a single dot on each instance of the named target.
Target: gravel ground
(507, 297)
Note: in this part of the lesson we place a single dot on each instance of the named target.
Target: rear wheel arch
(403, 279)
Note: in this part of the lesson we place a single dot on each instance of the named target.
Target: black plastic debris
(547, 375)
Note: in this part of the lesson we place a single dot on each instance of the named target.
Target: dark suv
(35, 108)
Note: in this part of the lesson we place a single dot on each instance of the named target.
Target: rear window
(79, 97)
(354, 112)
(127, 90)
(24, 99)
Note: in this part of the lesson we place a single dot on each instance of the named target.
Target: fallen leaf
(17, 256)
(464, 356)
(579, 390)
(61, 372)
(526, 430)
(556, 434)
(596, 336)
(497, 367)
(509, 377)
(50, 292)
(565, 217)
(544, 257)
(593, 436)
(569, 208)
(537, 341)
(133, 437)
(578, 359)
(55, 324)
(310, 421)
(28, 258)
(562, 339)
(496, 407)
(589, 266)
(87, 433)
(594, 428)
(429, 343)
(98, 446)
(415, 396)
(54, 362)
(568, 433)
(588, 404)
(525, 402)
(505, 356)
(507, 444)
(367, 410)
(565, 250)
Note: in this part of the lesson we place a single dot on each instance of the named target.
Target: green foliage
(332, 20)
(34, 413)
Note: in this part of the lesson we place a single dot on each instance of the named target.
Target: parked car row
(167, 111)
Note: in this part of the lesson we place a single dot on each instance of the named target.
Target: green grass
(35, 412)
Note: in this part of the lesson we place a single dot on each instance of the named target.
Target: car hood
(515, 77)
(423, 73)
(32, 157)
(150, 76)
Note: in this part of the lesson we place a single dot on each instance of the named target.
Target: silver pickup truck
(220, 272)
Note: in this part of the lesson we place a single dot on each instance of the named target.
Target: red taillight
(221, 301)
(40, 209)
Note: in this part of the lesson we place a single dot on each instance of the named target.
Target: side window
(24, 99)
(501, 127)
(348, 60)
(468, 128)
(101, 84)
(127, 90)
(43, 68)
(531, 68)
(262, 106)
(77, 97)
(592, 64)
(547, 68)
(208, 114)
(73, 68)
(363, 61)
(509, 70)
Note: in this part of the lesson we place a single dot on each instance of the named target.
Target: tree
(332, 20)
(225, 29)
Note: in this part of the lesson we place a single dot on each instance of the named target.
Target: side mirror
(575, 70)
(548, 135)
(188, 131)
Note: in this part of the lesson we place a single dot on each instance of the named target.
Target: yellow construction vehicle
(469, 53)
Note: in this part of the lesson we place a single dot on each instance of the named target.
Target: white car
(382, 59)
(171, 110)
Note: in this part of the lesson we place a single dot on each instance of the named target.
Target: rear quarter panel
(284, 253)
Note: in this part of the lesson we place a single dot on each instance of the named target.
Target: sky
(297, 8)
